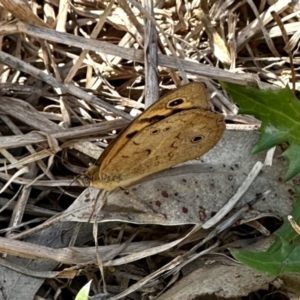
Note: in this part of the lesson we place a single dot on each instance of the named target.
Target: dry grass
(73, 73)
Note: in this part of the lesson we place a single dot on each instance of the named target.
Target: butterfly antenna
(66, 189)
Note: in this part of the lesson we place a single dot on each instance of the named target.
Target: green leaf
(286, 260)
(279, 111)
(83, 294)
(292, 154)
(282, 261)
(286, 231)
(283, 257)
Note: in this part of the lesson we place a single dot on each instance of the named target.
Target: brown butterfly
(178, 127)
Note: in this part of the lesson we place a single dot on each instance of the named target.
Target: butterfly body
(177, 128)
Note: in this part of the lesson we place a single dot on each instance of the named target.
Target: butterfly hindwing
(169, 142)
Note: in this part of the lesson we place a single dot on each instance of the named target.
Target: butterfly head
(91, 178)
(87, 178)
(84, 180)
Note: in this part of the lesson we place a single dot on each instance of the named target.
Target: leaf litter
(147, 246)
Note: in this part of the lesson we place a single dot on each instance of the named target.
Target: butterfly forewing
(192, 95)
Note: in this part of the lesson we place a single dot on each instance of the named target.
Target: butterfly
(180, 126)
